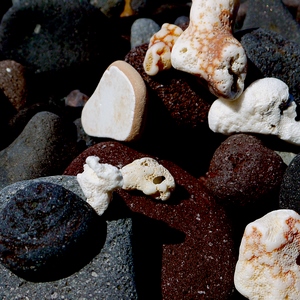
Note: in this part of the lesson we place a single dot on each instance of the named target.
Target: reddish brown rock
(243, 171)
(185, 99)
(183, 246)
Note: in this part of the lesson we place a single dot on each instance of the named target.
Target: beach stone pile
(52, 243)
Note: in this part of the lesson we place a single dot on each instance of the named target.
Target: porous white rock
(158, 55)
(98, 181)
(258, 110)
(208, 49)
(148, 176)
(268, 266)
(117, 107)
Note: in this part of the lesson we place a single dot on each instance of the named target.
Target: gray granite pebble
(142, 30)
(109, 275)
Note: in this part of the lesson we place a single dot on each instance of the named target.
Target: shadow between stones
(148, 238)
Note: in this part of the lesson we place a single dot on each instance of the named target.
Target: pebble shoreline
(52, 56)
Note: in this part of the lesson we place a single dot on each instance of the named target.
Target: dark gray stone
(272, 15)
(45, 147)
(52, 35)
(47, 232)
(274, 56)
(66, 44)
(142, 30)
(109, 275)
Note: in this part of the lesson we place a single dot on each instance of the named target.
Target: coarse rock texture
(185, 243)
(245, 177)
(47, 232)
(271, 55)
(289, 197)
(243, 170)
(272, 15)
(44, 148)
(109, 274)
(13, 83)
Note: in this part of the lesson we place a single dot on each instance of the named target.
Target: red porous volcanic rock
(183, 247)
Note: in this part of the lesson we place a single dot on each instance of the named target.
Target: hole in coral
(298, 260)
(158, 179)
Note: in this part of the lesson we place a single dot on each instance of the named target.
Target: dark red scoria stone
(183, 247)
(243, 170)
(47, 232)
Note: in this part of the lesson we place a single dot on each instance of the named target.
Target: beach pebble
(272, 55)
(117, 107)
(268, 264)
(45, 147)
(110, 273)
(186, 240)
(46, 230)
(265, 107)
(142, 30)
(243, 171)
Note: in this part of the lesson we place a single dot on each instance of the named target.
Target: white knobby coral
(98, 181)
(148, 176)
(258, 110)
(268, 263)
(208, 49)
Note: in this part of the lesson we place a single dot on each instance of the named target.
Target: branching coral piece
(98, 181)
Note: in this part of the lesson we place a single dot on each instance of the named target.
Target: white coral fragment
(158, 55)
(258, 110)
(148, 176)
(208, 49)
(98, 181)
(268, 264)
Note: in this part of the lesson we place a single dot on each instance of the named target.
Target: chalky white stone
(117, 107)
(208, 49)
(257, 110)
(268, 264)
